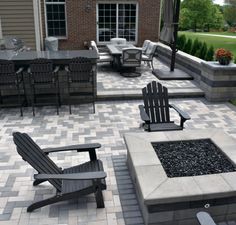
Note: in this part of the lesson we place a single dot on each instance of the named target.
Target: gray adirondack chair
(70, 183)
(155, 111)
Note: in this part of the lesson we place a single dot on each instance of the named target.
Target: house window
(55, 18)
(117, 20)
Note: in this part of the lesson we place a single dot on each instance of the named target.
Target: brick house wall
(81, 24)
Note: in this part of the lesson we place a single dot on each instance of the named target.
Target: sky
(220, 2)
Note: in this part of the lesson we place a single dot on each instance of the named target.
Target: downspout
(36, 24)
(40, 24)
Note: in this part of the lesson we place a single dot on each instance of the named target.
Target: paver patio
(109, 82)
(106, 126)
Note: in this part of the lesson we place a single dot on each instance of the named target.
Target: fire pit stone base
(175, 201)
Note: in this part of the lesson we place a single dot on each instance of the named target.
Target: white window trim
(46, 19)
(118, 2)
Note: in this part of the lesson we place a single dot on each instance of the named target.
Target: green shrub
(188, 46)
(210, 54)
(203, 51)
(181, 40)
(195, 47)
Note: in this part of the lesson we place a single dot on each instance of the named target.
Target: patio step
(137, 95)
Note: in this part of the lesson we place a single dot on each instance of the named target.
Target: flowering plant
(223, 53)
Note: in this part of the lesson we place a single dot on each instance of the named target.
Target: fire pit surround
(179, 173)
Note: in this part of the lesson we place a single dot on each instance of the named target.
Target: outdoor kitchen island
(59, 58)
(174, 200)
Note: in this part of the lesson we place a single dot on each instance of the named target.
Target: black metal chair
(204, 218)
(130, 59)
(80, 72)
(10, 79)
(155, 111)
(70, 183)
(43, 76)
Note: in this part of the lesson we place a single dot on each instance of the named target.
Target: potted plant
(223, 56)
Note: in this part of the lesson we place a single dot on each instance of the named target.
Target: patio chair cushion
(94, 46)
(145, 57)
(118, 41)
(105, 58)
(145, 45)
(151, 49)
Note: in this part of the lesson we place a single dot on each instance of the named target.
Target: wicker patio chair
(70, 183)
(118, 41)
(155, 112)
(145, 46)
(148, 56)
(80, 71)
(12, 80)
(43, 76)
(103, 56)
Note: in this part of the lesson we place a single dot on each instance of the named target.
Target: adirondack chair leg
(45, 202)
(92, 154)
(37, 182)
(99, 196)
(182, 120)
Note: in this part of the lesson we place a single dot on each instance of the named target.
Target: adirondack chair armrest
(72, 176)
(143, 114)
(78, 148)
(182, 114)
(205, 219)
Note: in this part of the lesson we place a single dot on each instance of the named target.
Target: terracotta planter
(224, 61)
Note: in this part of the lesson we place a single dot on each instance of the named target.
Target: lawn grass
(217, 42)
(222, 33)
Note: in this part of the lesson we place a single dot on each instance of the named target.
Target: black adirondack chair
(155, 112)
(80, 71)
(70, 183)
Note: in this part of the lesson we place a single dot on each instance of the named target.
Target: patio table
(116, 52)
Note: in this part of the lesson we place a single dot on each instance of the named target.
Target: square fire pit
(179, 173)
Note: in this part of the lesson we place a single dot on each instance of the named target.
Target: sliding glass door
(116, 20)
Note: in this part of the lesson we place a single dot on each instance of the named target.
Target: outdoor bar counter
(59, 58)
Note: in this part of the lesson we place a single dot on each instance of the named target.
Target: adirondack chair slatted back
(80, 70)
(34, 155)
(7, 72)
(156, 104)
(42, 70)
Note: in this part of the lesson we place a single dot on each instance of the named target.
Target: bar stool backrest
(7, 72)
(42, 70)
(80, 69)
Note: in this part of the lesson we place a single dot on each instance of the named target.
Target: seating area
(88, 181)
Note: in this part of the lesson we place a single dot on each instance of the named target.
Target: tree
(230, 14)
(181, 40)
(203, 51)
(217, 19)
(198, 14)
(188, 46)
(195, 47)
(210, 54)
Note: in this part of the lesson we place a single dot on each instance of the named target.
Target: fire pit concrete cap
(154, 185)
